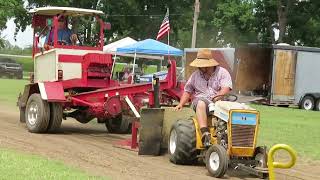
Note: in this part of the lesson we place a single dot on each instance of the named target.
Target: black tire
(118, 125)
(182, 142)
(261, 155)
(317, 108)
(217, 161)
(22, 114)
(40, 108)
(307, 103)
(19, 76)
(82, 116)
(283, 105)
(56, 113)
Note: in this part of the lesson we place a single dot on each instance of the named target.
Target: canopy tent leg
(134, 64)
(114, 62)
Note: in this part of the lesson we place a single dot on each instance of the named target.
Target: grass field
(10, 90)
(295, 127)
(15, 165)
(148, 70)
(27, 65)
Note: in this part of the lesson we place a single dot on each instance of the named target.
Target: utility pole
(195, 22)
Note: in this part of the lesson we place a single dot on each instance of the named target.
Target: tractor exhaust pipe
(156, 91)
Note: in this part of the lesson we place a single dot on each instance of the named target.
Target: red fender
(52, 91)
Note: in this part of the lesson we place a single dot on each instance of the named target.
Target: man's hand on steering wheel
(73, 39)
(225, 97)
(217, 98)
(62, 42)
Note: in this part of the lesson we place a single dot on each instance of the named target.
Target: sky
(24, 39)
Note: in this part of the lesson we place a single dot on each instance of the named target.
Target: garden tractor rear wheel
(182, 142)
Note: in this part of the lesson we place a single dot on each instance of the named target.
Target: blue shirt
(63, 35)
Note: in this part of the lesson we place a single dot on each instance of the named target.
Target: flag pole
(168, 39)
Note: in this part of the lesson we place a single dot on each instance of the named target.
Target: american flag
(165, 26)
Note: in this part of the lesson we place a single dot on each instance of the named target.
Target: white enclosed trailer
(282, 74)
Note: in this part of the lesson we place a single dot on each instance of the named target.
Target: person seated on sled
(65, 35)
(209, 81)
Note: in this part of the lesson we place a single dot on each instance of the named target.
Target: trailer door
(283, 79)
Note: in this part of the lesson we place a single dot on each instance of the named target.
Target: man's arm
(226, 84)
(188, 91)
(223, 91)
(46, 42)
(184, 99)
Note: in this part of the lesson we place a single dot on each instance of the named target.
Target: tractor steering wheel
(63, 42)
(226, 97)
(60, 42)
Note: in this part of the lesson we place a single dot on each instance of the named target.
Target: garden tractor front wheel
(216, 160)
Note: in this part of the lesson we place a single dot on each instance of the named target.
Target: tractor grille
(243, 135)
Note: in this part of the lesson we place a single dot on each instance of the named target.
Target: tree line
(221, 23)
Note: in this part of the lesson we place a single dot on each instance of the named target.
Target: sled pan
(150, 131)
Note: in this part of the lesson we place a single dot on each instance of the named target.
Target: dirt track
(90, 148)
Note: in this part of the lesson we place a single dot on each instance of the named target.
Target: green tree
(226, 23)
(221, 22)
(304, 24)
(13, 9)
(141, 19)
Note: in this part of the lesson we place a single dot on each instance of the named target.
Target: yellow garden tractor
(234, 130)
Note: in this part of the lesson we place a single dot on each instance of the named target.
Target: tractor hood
(222, 108)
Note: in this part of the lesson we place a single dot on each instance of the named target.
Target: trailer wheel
(56, 113)
(217, 161)
(307, 103)
(318, 105)
(37, 114)
(182, 142)
(118, 125)
(22, 114)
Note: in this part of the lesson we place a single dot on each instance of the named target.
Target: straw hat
(204, 59)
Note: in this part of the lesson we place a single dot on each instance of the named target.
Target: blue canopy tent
(150, 47)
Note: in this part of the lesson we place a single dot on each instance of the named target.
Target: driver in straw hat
(209, 81)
